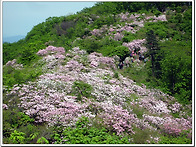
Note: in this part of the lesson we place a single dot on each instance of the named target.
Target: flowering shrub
(11, 63)
(14, 64)
(77, 51)
(42, 52)
(124, 17)
(96, 32)
(96, 59)
(154, 106)
(136, 44)
(169, 125)
(175, 107)
(118, 119)
(4, 106)
(47, 106)
(74, 65)
(111, 29)
(118, 36)
(155, 19)
(172, 129)
(59, 56)
(51, 50)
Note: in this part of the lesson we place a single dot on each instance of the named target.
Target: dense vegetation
(105, 28)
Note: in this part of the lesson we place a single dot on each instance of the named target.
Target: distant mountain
(13, 38)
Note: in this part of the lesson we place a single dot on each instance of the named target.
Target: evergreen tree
(153, 52)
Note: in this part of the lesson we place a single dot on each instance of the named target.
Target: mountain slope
(89, 85)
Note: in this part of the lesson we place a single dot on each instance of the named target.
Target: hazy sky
(20, 17)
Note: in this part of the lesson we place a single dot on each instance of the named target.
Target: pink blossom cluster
(185, 123)
(96, 59)
(172, 129)
(74, 65)
(14, 64)
(51, 61)
(156, 120)
(129, 17)
(42, 52)
(76, 51)
(52, 50)
(136, 44)
(134, 17)
(119, 29)
(60, 50)
(73, 72)
(127, 28)
(154, 106)
(11, 63)
(59, 56)
(99, 32)
(139, 23)
(49, 105)
(112, 92)
(154, 139)
(111, 30)
(102, 91)
(175, 107)
(119, 119)
(96, 32)
(155, 19)
(123, 16)
(116, 118)
(118, 36)
(4, 106)
(115, 91)
(169, 124)
(57, 77)
(53, 56)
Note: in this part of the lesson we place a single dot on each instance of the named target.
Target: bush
(90, 45)
(81, 89)
(12, 76)
(175, 140)
(125, 39)
(84, 134)
(42, 140)
(17, 137)
(121, 51)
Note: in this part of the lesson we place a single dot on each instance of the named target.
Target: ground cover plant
(119, 77)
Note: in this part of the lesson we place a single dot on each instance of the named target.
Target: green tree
(154, 52)
(177, 75)
(120, 51)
